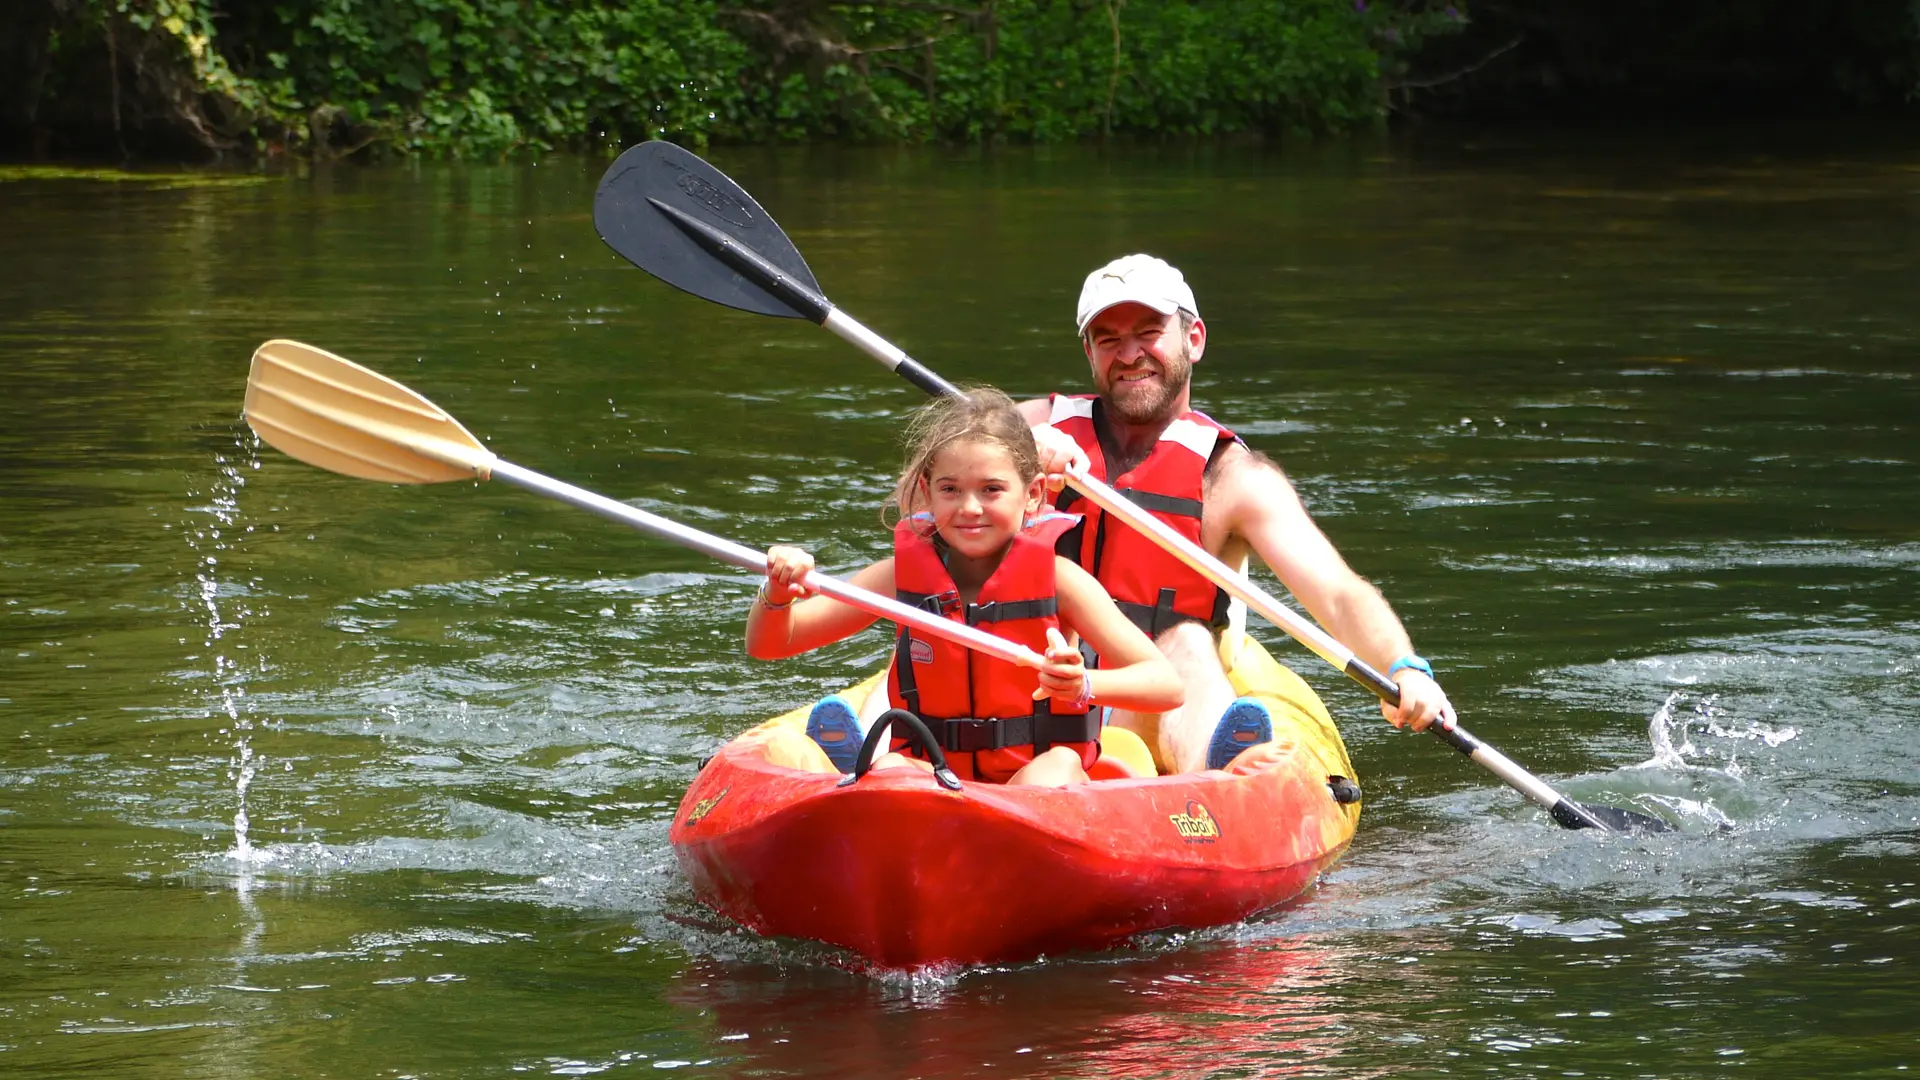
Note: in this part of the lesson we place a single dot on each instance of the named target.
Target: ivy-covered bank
(492, 77)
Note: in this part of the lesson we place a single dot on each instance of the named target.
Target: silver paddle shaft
(746, 558)
(1206, 565)
(852, 331)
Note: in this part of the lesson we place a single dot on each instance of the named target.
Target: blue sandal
(1245, 723)
(836, 727)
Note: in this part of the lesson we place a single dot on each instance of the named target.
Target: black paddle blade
(1611, 818)
(651, 207)
(1627, 820)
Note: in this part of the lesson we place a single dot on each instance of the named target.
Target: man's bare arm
(1256, 504)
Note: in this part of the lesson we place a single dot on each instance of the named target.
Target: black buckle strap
(1162, 504)
(1154, 618)
(948, 602)
(970, 736)
(940, 603)
(1145, 500)
(1010, 610)
(903, 670)
(1140, 615)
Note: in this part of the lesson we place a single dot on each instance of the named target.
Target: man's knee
(1187, 640)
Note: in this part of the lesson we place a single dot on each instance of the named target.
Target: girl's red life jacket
(1151, 587)
(974, 703)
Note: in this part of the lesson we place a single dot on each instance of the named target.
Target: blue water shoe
(836, 727)
(1245, 723)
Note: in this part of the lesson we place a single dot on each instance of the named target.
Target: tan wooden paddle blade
(329, 411)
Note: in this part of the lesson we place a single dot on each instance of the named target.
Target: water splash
(1713, 768)
(1670, 733)
(1660, 732)
(224, 608)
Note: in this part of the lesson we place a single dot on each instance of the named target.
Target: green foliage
(187, 25)
(491, 77)
(1062, 69)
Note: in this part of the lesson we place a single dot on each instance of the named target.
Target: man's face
(1142, 360)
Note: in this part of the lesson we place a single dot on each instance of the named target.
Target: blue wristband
(1414, 661)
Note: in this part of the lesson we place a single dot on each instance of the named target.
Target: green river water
(307, 776)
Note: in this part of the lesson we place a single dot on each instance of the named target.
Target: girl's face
(977, 499)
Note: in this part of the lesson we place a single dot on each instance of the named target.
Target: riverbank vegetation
(491, 78)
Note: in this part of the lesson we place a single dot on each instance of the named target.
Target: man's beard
(1154, 403)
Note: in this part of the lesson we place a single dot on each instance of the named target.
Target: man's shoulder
(1036, 410)
(1231, 457)
(1237, 469)
(1055, 407)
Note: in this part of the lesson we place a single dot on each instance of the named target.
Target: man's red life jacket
(1152, 588)
(974, 703)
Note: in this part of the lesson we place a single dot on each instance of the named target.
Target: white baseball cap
(1138, 279)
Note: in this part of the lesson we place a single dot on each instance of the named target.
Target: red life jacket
(977, 704)
(1152, 588)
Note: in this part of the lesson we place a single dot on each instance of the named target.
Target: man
(1142, 334)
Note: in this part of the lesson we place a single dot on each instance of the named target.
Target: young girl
(971, 544)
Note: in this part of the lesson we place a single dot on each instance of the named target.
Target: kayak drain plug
(1344, 790)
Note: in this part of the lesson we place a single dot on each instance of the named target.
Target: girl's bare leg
(1058, 767)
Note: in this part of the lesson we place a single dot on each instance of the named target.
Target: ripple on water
(1644, 561)
(544, 770)
(1768, 750)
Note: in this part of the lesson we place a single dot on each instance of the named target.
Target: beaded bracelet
(769, 604)
(1085, 700)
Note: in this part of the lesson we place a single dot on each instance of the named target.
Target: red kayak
(910, 874)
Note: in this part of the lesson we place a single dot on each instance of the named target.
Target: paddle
(331, 412)
(673, 215)
(677, 217)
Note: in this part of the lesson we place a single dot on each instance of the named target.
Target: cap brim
(1162, 305)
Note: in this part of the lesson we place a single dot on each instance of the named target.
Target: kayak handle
(916, 731)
